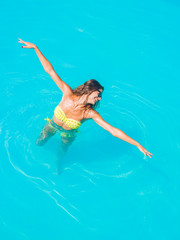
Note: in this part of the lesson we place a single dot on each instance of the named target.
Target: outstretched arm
(65, 88)
(117, 132)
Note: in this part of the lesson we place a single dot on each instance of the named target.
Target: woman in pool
(76, 106)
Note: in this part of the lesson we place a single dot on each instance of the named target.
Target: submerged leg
(66, 141)
(47, 132)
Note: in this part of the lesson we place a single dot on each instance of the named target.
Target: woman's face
(95, 96)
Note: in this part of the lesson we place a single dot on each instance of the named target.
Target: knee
(40, 142)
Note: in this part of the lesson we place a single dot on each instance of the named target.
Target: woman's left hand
(28, 44)
(142, 149)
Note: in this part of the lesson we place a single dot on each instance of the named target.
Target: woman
(77, 105)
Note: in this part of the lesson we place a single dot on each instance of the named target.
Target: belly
(60, 123)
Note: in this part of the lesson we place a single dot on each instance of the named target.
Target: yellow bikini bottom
(63, 132)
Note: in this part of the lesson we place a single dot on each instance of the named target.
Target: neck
(79, 101)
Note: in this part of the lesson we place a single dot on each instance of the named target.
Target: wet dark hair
(87, 88)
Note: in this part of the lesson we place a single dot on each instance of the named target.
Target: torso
(67, 104)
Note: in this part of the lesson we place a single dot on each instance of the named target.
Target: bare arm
(46, 64)
(65, 88)
(117, 132)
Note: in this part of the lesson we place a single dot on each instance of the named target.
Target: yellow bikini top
(71, 123)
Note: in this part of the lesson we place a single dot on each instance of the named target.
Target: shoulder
(92, 114)
(68, 96)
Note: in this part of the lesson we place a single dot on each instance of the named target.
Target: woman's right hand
(142, 149)
(28, 44)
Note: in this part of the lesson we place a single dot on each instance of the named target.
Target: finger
(22, 41)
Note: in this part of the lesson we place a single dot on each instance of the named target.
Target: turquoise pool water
(107, 188)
